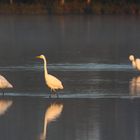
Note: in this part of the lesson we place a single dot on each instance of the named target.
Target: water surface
(81, 119)
(90, 55)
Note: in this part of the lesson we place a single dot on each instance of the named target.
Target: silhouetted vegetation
(70, 6)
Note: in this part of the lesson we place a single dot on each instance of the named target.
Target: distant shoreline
(96, 9)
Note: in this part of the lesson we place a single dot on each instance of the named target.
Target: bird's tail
(10, 86)
(61, 87)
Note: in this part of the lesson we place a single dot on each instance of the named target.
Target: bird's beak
(37, 56)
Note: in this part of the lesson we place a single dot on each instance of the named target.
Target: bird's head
(41, 56)
(131, 57)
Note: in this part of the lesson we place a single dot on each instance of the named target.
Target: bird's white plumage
(52, 82)
(4, 83)
(135, 62)
(131, 57)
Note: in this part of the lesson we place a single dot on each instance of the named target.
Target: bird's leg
(54, 92)
(2, 92)
(57, 95)
(50, 93)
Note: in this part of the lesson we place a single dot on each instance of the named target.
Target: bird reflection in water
(52, 112)
(135, 86)
(4, 105)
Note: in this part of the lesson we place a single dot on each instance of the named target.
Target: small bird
(4, 83)
(52, 82)
(135, 62)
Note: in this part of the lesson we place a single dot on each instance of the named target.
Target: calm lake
(81, 119)
(89, 54)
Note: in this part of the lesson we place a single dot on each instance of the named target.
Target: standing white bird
(4, 83)
(52, 82)
(135, 62)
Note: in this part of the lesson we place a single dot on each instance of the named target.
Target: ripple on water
(70, 67)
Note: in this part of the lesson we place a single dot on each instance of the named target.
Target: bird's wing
(4, 82)
(52, 80)
(138, 63)
(2, 78)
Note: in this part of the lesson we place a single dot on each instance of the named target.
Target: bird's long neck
(134, 64)
(45, 67)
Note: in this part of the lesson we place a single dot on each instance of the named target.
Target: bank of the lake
(70, 8)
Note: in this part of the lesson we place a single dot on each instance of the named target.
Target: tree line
(68, 1)
(71, 6)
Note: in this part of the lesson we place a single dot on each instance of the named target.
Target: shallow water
(109, 80)
(81, 119)
(90, 55)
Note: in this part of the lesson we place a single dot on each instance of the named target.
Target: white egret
(135, 62)
(4, 83)
(52, 82)
(53, 112)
